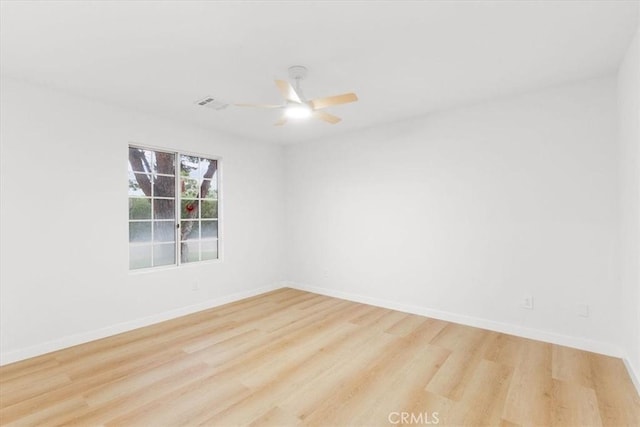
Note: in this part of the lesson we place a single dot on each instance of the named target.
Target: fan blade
(259, 105)
(288, 92)
(329, 101)
(281, 122)
(329, 118)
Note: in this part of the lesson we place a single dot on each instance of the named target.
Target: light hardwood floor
(295, 358)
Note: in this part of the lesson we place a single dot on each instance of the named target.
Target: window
(173, 208)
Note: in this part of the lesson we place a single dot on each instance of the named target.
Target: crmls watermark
(405, 418)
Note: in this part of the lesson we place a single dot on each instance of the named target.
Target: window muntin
(172, 219)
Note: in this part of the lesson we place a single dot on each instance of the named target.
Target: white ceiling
(403, 59)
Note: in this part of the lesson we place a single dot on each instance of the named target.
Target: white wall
(462, 213)
(64, 274)
(629, 125)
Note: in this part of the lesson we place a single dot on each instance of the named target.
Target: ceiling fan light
(298, 111)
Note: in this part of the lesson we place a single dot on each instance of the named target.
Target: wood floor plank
(127, 404)
(271, 369)
(407, 385)
(18, 390)
(462, 338)
(139, 382)
(452, 378)
(200, 398)
(572, 365)
(506, 423)
(352, 402)
(293, 358)
(503, 349)
(574, 405)
(308, 378)
(618, 401)
(318, 399)
(31, 367)
(407, 324)
(483, 399)
(528, 401)
(42, 401)
(276, 417)
(55, 414)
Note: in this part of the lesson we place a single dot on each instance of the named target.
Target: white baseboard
(71, 340)
(633, 373)
(521, 331)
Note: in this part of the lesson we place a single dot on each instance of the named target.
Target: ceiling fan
(296, 106)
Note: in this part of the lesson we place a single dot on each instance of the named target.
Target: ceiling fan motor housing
(298, 72)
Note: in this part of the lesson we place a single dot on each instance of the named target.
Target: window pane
(164, 231)
(140, 231)
(209, 229)
(189, 230)
(209, 249)
(190, 252)
(138, 184)
(189, 209)
(139, 208)
(189, 166)
(141, 160)
(165, 163)
(164, 254)
(208, 189)
(209, 209)
(189, 188)
(164, 186)
(139, 257)
(164, 209)
(208, 168)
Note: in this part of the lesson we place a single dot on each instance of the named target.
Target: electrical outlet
(195, 286)
(583, 310)
(527, 302)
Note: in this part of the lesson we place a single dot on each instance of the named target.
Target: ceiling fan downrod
(297, 73)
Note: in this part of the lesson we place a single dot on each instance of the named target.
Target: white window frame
(177, 199)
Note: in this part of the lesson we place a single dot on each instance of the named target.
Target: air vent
(211, 102)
